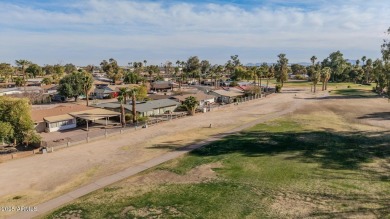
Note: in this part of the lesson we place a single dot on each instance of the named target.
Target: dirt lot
(39, 178)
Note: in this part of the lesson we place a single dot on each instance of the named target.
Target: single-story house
(227, 96)
(103, 92)
(163, 85)
(203, 98)
(149, 108)
(69, 120)
(55, 118)
(20, 90)
(158, 97)
(50, 89)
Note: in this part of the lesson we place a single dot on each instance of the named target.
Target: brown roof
(58, 118)
(49, 86)
(38, 115)
(94, 114)
(158, 97)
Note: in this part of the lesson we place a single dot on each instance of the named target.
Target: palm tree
(364, 58)
(313, 59)
(23, 64)
(87, 81)
(270, 74)
(145, 62)
(123, 119)
(123, 92)
(133, 92)
(325, 76)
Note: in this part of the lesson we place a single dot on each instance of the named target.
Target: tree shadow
(343, 97)
(333, 150)
(377, 116)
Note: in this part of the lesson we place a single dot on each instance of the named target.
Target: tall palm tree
(23, 64)
(133, 92)
(364, 58)
(123, 119)
(313, 59)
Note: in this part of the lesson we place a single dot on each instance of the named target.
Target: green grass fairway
(273, 170)
(354, 92)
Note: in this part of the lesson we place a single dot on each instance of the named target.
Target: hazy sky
(87, 31)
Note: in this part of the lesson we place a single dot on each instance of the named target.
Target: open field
(328, 159)
(41, 178)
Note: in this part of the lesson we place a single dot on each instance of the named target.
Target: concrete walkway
(131, 171)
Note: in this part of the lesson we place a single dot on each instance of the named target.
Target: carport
(96, 114)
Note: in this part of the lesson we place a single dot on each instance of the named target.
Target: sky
(86, 32)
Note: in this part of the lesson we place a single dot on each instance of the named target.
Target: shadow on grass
(345, 97)
(341, 150)
(377, 116)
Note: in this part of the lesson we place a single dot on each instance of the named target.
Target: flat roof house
(227, 96)
(149, 108)
(56, 118)
(200, 96)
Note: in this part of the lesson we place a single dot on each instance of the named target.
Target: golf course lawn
(291, 167)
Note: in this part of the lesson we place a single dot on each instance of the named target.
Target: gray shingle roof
(141, 107)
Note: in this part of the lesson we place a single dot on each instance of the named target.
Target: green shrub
(233, 84)
(278, 88)
(128, 117)
(300, 77)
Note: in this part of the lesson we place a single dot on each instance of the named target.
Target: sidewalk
(105, 181)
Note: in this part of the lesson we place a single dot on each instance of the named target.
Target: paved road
(105, 181)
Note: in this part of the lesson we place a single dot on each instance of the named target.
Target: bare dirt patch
(202, 173)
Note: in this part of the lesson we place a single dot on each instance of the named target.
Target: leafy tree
(239, 73)
(112, 69)
(368, 70)
(19, 81)
(337, 63)
(379, 75)
(385, 50)
(6, 132)
(47, 81)
(262, 72)
(298, 69)
(281, 72)
(34, 70)
(270, 74)
(16, 113)
(48, 70)
(192, 66)
(190, 103)
(205, 66)
(59, 71)
(142, 92)
(69, 68)
(87, 82)
(131, 78)
(23, 64)
(6, 71)
(75, 84)
(168, 67)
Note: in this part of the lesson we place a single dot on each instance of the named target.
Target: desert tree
(23, 64)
